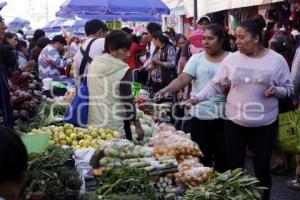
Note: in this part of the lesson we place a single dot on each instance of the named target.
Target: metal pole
(195, 13)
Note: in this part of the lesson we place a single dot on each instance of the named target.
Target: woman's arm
(126, 97)
(180, 82)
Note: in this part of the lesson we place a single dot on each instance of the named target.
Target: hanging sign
(113, 26)
(172, 20)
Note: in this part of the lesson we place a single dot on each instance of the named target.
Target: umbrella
(55, 25)
(18, 22)
(122, 17)
(3, 4)
(150, 7)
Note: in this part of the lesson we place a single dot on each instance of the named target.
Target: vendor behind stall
(51, 64)
(109, 82)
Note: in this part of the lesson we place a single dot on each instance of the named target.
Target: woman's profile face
(245, 41)
(13, 41)
(156, 42)
(121, 54)
(180, 43)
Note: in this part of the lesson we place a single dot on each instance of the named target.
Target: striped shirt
(50, 62)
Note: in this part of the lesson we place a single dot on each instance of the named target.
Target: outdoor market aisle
(279, 189)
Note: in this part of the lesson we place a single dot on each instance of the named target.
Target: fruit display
(26, 95)
(192, 173)
(78, 138)
(98, 172)
(168, 141)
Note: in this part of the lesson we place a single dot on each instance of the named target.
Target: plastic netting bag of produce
(168, 141)
(121, 149)
(192, 173)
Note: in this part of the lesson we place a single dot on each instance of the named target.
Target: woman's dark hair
(9, 35)
(38, 34)
(135, 39)
(13, 157)
(260, 19)
(221, 34)
(21, 44)
(153, 27)
(42, 42)
(117, 40)
(279, 44)
(178, 36)
(232, 37)
(161, 37)
(254, 26)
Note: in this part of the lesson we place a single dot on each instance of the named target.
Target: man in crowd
(50, 62)
(95, 31)
(6, 117)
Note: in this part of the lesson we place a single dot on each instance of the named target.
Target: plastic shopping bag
(77, 113)
(288, 139)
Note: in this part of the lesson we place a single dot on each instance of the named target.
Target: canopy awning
(2, 4)
(211, 6)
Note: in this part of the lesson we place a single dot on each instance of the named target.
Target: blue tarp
(123, 17)
(18, 22)
(150, 7)
(2, 4)
(55, 25)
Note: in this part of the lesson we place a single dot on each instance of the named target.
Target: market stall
(96, 163)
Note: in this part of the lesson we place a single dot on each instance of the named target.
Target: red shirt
(134, 50)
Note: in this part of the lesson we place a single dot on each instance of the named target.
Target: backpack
(77, 113)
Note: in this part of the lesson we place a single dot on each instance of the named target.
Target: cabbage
(148, 130)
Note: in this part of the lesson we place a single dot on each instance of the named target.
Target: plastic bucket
(36, 143)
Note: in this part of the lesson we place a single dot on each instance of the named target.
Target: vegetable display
(52, 175)
(231, 185)
(124, 180)
(26, 95)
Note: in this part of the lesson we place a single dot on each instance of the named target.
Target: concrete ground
(279, 189)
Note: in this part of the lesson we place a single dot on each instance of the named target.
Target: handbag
(77, 112)
(288, 138)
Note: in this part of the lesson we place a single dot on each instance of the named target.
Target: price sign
(172, 20)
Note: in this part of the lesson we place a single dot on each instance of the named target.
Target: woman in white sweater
(254, 78)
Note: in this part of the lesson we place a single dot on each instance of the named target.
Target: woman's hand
(152, 67)
(160, 94)
(271, 91)
(139, 130)
(190, 102)
(155, 61)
